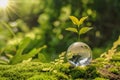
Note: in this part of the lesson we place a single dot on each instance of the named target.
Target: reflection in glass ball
(79, 54)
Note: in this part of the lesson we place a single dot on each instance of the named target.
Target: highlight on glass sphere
(79, 54)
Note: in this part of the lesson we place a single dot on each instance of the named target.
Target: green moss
(64, 71)
(78, 72)
(116, 57)
(43, 77)
(98, 78)
(114, 70)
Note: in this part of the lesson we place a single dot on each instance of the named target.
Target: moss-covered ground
(105, 67)
(97, 70)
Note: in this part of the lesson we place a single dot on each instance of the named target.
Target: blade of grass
(9, 28)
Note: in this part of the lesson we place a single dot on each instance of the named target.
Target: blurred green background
(44, 21)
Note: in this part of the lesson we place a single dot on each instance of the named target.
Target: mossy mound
(98, 70)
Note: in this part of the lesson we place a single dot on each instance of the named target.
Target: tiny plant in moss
(79, 53)
(79, 29)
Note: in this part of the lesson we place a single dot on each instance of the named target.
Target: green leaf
(23, 44)
(20, 58)
(82, 20)
(74, 20)
(42, 57)
(33, 52)
(3, 61)
(72, 29)
(84, 30)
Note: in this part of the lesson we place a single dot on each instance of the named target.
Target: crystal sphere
(79, 54)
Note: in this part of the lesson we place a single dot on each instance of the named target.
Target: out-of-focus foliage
(114, 52)
(44, 22)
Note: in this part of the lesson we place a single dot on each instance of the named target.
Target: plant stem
(78, 33)
(78, 37)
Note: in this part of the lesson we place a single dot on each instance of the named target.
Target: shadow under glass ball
(79, 54)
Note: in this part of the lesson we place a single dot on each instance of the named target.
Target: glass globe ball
(79, 54)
